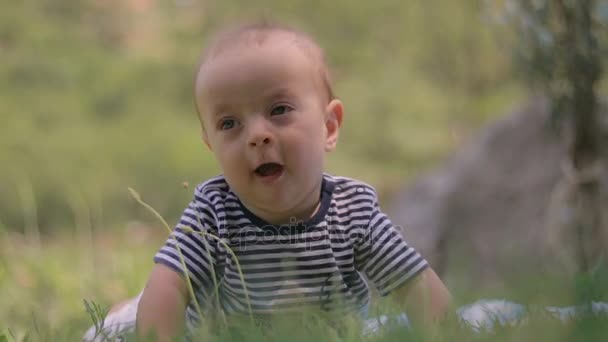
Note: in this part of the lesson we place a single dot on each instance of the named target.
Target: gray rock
(483, 213)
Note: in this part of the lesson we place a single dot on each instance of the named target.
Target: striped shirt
(325, 262)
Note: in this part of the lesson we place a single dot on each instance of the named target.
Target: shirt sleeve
(190, 239)
(383, 255)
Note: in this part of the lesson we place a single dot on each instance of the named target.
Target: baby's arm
(426, 299)
(398, 270)
(162, 305)
(188, 255)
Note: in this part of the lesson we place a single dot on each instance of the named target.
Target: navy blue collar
(327, 189)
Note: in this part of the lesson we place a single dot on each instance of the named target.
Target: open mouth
(269, 169)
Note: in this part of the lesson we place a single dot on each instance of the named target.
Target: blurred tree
(559, 51)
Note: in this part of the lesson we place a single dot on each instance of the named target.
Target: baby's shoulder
(212, 191)
(346, 188)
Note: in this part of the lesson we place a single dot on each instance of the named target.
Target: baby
(275, 233)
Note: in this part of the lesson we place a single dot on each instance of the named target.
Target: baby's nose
(259, 135)
(258, 141)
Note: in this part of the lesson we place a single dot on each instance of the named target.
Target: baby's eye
(227, 124)
(280, 109)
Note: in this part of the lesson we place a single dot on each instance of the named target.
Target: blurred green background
(96, 96)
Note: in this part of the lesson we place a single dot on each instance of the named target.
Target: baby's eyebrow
(219, 109)
(278, 93)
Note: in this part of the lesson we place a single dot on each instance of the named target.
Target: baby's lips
(268, 167)
(259, 165)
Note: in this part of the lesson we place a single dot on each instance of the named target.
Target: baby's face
(269, 124)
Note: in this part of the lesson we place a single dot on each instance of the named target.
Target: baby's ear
(333, 121)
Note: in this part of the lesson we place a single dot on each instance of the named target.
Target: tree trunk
(582, 69)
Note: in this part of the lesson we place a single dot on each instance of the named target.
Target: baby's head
(269, 116)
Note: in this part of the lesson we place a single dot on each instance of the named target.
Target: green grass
(56, 289)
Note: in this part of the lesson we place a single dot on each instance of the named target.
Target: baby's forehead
(258, 40)
(297, 49)
(240, 42)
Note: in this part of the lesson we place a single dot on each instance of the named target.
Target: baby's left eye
(279, 110)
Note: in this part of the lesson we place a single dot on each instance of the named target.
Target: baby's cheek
(229, 160)
(311, 154)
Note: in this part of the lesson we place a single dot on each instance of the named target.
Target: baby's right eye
(227, 124)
